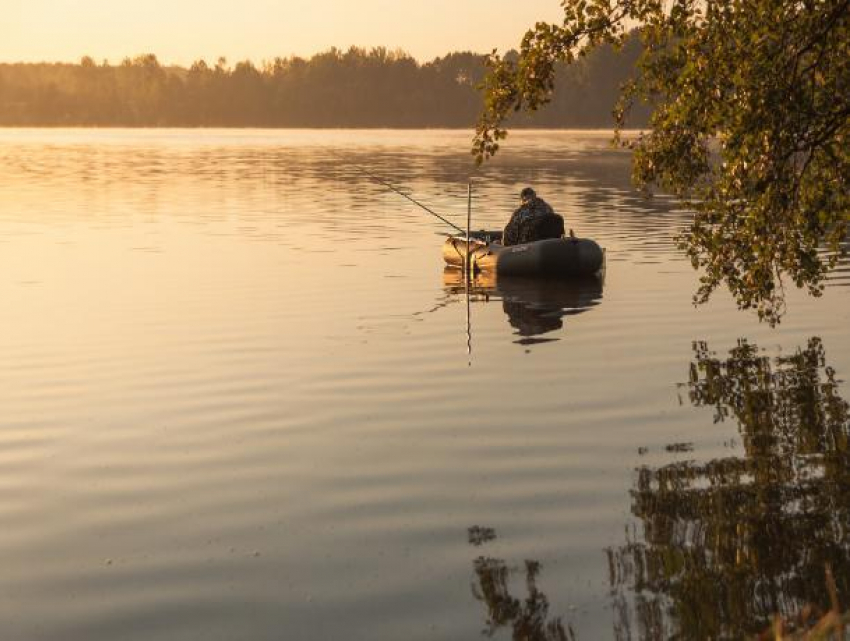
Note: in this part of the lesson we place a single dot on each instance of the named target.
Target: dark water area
(243, 399)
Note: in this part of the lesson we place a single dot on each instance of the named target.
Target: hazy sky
(181, 31)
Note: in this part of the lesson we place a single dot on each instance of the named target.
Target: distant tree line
(354, 88)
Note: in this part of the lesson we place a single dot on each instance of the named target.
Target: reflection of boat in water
(533, 306)
(550, 258)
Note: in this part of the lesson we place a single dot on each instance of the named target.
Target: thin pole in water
(468, 208)
(468, 228)
(468, 271)
(468, 323)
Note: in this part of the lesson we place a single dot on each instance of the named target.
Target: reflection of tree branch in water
(730, 543)
(528, 619)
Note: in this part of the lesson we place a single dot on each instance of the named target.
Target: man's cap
(527, 193)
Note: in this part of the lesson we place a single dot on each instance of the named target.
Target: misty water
(242, 399)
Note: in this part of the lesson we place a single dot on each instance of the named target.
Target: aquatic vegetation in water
(811, 623)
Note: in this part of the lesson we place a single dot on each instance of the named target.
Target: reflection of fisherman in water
(730, 543)
(534, 220)
(533, 306)
(530, 322)
(527, 619)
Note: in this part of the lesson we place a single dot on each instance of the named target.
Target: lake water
(242, 400)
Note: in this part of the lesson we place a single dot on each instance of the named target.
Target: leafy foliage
(750, 126)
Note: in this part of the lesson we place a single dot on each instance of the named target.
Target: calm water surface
(242, 400)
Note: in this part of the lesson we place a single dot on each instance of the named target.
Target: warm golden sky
(181, 31)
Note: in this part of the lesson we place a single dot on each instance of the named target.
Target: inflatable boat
(552, 258)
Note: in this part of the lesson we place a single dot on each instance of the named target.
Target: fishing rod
(413, 200)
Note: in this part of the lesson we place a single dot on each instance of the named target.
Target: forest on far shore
(354, 88)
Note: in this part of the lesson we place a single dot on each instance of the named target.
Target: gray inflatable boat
(551, 258)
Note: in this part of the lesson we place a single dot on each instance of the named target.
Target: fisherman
(534, 220)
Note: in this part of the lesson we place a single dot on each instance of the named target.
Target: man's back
(534, 220)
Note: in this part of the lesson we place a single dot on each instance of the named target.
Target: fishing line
(401, 193)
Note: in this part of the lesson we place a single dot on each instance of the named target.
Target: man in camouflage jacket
(534, 220)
